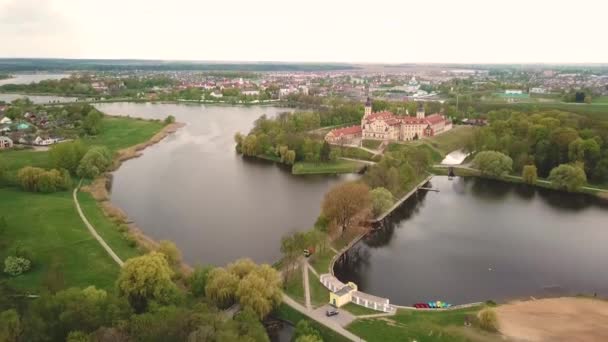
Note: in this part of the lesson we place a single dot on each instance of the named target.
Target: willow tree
(146, 278)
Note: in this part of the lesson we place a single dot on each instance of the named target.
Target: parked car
(330, 313)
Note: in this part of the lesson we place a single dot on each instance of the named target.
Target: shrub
(96, 161)
(16, 265)
(382, 200)
(492, 163)
(67, 155)
(35, 179)
(488, 320)
(567, 177)
(529, 174)
(169, 119)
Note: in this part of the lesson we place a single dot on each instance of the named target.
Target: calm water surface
(32, 78)
(38, 99)
(193, 188)
(479, 239)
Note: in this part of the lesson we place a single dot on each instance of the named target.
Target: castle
(388, 126)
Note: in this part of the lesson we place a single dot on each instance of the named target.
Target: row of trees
(149, 306)
(547, 140)
(80, 160)
(569, 177)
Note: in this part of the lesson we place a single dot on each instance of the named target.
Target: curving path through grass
(92, 230)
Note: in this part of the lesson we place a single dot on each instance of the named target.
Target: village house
(388, 126)
(6, 121)
(45, 141)
(5, 143)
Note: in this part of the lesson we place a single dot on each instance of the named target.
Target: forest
(547, 139)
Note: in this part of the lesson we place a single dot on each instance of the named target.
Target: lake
(480, 239)
(32, 78)
(192, 188)
(38, 99)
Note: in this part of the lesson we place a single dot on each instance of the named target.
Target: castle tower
(420, 113)
(368, 107)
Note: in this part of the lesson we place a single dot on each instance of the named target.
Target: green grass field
(319, 295)
(411, 325)
(287, 313)
(49, 226)
(452, 140)
(320, 260)
(294, 287)
(335, 167)
(359, 310)
(373, 144)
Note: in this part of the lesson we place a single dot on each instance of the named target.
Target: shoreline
(100, 186)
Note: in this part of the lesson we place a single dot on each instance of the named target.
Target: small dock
(428, 189)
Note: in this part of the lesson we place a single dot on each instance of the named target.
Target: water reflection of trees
(488, 188)
(568, 201)
(352, 265)
(386, 229)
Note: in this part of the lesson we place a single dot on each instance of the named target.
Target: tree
(529, 174)
(67, 155)
(198, 280)
(290, 157)
(567, 177)
(14, 265)
(382, 200)
(77, 336)
(92, 122)
(171, 252)
(241, 267)
(492, 163)
(221, 287)
(488, 320)
(35, 179)
(305, 330)
(309, 338)
(146, 278)
(344, 201)
(96, 161)
(260, 290)
(325, 152)
(10, 326)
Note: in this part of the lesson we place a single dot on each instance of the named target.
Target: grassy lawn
(338, 166)
(359, 310)
(411, 325)
(287, 313)
(451, 140)
(319, 295)
(294, 288)
(108, 230)
(49, 226)
(353, 152)
(320, 260)
(372, 144)
(122, 132)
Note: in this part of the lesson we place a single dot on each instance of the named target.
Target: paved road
(368, 162)
(93, 231)
(320, 317)
(306, 284)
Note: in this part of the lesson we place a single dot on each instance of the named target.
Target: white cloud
(313, 30)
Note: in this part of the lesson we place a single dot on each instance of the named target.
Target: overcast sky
(399, 31)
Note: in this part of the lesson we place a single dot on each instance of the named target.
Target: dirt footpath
(555, 319)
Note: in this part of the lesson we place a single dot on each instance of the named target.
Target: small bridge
(429, 189)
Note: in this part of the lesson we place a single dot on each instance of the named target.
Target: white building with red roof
(388, 126)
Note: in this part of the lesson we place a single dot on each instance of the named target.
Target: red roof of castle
(434, 119)
(346, 131)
